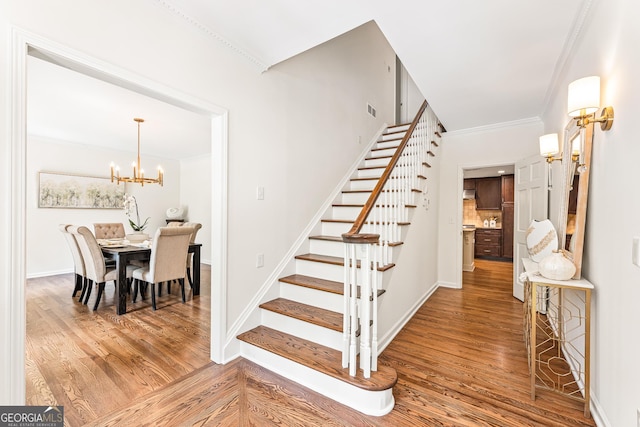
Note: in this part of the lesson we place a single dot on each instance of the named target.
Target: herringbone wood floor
(461, 361)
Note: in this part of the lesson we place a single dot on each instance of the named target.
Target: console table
(557, 329)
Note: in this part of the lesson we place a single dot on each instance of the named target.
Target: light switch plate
(635, 251)
(259, 260)
(638, 418)
(260, 193)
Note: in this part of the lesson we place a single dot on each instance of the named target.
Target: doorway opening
(487, 217)
(25, 45)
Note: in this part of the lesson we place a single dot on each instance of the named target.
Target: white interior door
(531, 200)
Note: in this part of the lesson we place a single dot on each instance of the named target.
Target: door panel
(531, 200)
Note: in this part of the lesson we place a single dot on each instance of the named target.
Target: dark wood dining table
(123, 255)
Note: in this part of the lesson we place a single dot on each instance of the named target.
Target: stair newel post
(360, 246)
(374, 308)
(365, 310)
(353, 310)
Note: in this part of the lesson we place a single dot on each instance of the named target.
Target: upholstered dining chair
(109, 230)
(167, 262)
(78, 261)
(95, 267)
(195, 226)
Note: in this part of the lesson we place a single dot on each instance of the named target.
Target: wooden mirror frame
(581, 166)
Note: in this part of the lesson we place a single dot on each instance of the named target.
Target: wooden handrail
(352, 235)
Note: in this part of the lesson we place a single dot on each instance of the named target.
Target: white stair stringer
(368, 402)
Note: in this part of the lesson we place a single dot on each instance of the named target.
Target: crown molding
(560, 69)
(495, 127)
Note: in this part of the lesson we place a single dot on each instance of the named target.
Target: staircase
(301, 331)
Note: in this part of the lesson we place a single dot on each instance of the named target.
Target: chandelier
(138, 172)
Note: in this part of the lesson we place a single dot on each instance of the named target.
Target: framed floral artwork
(59, 190)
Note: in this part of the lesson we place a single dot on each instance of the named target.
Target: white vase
(541, 239)
(557, 266)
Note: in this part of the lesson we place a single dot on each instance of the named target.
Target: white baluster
(353, 295)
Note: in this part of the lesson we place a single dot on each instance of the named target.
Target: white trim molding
(23, 43)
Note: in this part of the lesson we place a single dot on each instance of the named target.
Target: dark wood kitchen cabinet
(488, 242)
(489, 193)
(507, 189)
(469, 184)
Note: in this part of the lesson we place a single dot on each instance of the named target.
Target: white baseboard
(451, 285)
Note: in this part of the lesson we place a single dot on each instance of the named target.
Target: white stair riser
(335, 228)
(382, 153)
(370, 173)
(359, 198)
(345, 212)
(364, 184)
(375, 403)
(309, 296)
(302, 329)
(393, 135)
(376, 162)
(352, 212)
(326, 247)
(326, 271)
(388, 144)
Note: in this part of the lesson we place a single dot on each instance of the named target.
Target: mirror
(576, 165)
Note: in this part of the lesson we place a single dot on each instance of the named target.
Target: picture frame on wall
(68, 191)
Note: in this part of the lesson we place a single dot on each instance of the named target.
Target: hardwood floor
(461, 361)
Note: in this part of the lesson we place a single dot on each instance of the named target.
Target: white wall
(471, 149)
(47, 250)
(608, 47)
(195, 198)
(293, 129)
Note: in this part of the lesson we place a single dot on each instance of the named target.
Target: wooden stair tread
(393, 147)
(339, 239)
(364, 168)
(356, 191)
(368, 178)
(341, 205)
(307, 313)
(319, 284)
(318, 357)
(334, 260)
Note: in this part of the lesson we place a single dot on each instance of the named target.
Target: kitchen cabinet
(507, 216)
(489, 193)
(469, 184)
(488, 242)
(507, 189)
(507, 230)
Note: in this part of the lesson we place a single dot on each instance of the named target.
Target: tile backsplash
(470, 215)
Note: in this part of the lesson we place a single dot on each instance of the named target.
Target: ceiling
(478, 63)
(69, 106)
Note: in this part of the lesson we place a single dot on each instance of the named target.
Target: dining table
(124, 254)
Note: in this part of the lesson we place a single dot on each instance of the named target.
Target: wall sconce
(549, 146)
(584, 102)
